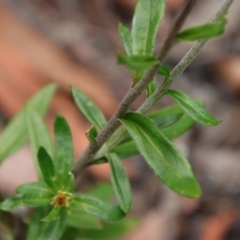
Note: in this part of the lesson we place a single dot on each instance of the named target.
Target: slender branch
(182, 65)
(86, 158)
(176, 72)
(176, 26)
(113, 123)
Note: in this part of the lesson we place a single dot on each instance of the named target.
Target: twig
(176, 26)
(175, 73)
(134, 92)
(182, 65)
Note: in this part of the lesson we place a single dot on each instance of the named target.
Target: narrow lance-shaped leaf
(34, 200)
(97, 208)
(161, 155)
(102, 191)
(15, 134)
(137, 62)
(89, 109)
(70, 183)
(164, 71)
(63, 149)
(38, 134)
(10, 203)
(37, 199)
(128, 148)
(120, 182)
(54, 230)
(54, 214)
(126, 38)
(80, 219)
(193, 108)
(110, 231)
(147, 17)
(205, 31)
(35, 187)
(91, 134)
(151, 87)
(47, 168)
(35, 226)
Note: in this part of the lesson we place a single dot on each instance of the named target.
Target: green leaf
(70, 183)
(97, 208)
(80, 219)
(36, 226)
(166, 119)
(126, 149)
(120, 182)
(179, 128)
(110, 231)
(37, 199)
(146, 20)
(126, 38)
(137, 62)
(205, 31)
(64, 150)
(15, 134)
(54, 214)
(33, 199)
(102, 191)
(164, 71)
(161, 155)
(89, 109)
(53, 230)
(38, 134)
(47, 168)
(193, 108)
(35, 187)
(91, 134)
(152, 86)
(10, 203)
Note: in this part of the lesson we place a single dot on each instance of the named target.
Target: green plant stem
(87, 156)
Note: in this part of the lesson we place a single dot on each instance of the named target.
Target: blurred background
(75, 43)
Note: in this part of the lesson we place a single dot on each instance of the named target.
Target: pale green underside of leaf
(15, 134)
(146, 20)
(193, 108)
(161, 155)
